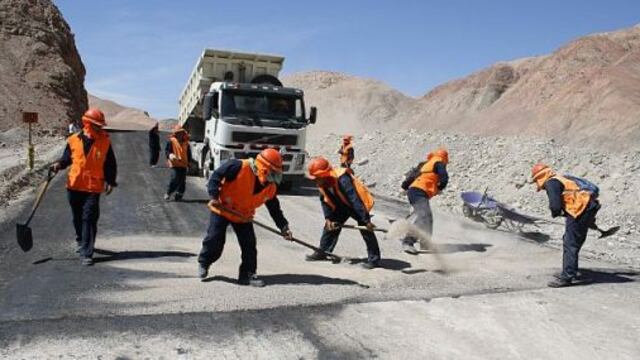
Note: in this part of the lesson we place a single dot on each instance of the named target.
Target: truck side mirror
(313, 114)
(210, 106)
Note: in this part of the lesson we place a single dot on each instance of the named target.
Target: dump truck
(234, 106)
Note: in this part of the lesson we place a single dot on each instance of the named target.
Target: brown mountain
(588, 91)
(40, 67)
(122, 117)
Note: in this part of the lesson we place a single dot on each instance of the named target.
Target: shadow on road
(454, 248)
(131, 255)
(386, 263)
(194, 201)
(592, 276)
(535, 236)
(291, 279)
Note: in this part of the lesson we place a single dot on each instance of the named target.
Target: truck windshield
(263, 108)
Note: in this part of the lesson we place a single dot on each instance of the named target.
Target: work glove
(330, 225)
(55, 167)
(108, 189)
(173, 157)
(370, 226)
(287, 234)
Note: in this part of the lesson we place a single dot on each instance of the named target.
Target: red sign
(30, 117)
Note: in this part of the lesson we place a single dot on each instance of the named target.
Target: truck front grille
(262, 138)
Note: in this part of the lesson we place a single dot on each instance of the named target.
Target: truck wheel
(207, 165)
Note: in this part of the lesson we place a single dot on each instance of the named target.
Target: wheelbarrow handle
(273, 230)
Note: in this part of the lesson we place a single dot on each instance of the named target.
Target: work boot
(558, 283)
(409, 249)
(167, 197)
(369, 265)
(86, 261)
(558, 275)
(316, 256)
(177, 197)
(203, 271)
(250, 279)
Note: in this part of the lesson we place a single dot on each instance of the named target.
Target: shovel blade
(609, 232)
(25, 239)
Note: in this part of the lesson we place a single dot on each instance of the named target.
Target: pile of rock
(502, 165)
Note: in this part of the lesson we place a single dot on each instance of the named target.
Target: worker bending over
(423, 183)
(342, 197)
(93, 170)
(237, 188)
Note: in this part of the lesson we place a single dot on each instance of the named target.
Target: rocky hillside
(588, 91)
(122, 117)
(40, 65)
(347, 103)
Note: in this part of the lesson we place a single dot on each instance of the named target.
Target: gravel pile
(502, 165)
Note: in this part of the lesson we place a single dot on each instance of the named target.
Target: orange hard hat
(178, 129)
(538, 169)
(441, 153)
(319, 167)
(94, 116)
(270, 158)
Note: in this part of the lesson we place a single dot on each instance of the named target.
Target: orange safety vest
(344, 154)
(87, 172)
(575, 200)
(237, 195)
(180, 151)
(362, 191)
(428, 179)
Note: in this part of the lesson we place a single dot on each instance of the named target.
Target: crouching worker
(237, 188)
(93, 170)
(178, 155)
(576, 200)
(423, 183)
(342, 197)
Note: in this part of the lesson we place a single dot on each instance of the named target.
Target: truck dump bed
(220, 65)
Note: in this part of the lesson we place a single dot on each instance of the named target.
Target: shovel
(605, 233)
(357, 227)
(23, 231)
(276, 231)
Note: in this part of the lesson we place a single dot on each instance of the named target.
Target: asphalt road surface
(142, 298)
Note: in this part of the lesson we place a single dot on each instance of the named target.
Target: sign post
(30, 118)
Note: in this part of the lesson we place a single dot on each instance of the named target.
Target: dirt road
(142, 298)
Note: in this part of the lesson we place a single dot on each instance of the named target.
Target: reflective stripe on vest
(344, 154)
(180, 151)
(575, 200)
(87, 172)
(363, 193)
(428, 180)
(238, 195)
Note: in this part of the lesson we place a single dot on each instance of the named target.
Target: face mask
(274, 177)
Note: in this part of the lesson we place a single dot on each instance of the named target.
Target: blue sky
(140, 53)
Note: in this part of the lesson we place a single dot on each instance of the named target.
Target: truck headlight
(299, 163)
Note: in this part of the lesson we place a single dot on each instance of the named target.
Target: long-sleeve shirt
(415, 194)
(168, 149)
(228, 171)
(355, 207)
(110, 166)
(554, 189)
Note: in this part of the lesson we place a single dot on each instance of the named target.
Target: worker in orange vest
(237, 188)
(342, 197)
(178, 155)
(93, 171)
(577, 200)
(346, 152)
(423, 183)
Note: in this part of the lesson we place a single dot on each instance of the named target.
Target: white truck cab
(229, 117)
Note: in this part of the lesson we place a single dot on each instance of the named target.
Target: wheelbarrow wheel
(492, 219)
(467, 211)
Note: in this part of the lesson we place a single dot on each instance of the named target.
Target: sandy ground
(142, 300)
